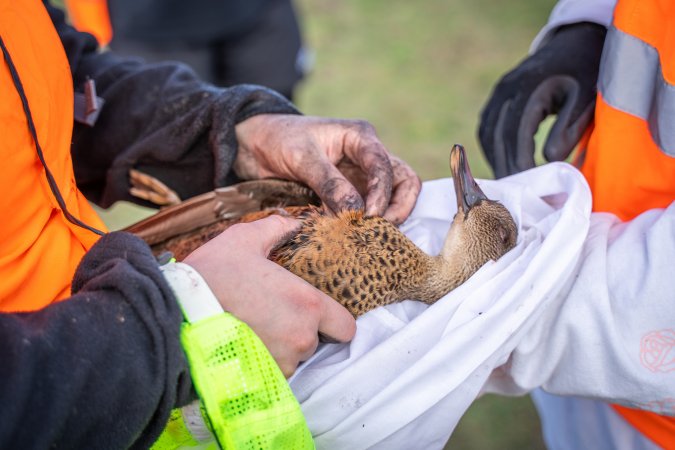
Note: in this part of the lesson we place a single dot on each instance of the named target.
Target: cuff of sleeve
(247, 399)
(568, 12)
(194, 296)
(261, 100)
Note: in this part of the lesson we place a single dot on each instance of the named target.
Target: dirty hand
(559, 78)
(339, 159)
(286, 312)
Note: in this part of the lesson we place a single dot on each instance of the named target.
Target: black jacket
(104, 368)
(158, 118)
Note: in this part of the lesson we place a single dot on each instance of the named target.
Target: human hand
(559, 78)
(286, 312)
(339, 159)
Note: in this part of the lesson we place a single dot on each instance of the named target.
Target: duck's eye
(504, 235)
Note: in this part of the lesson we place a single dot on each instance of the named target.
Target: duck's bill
(466, 189)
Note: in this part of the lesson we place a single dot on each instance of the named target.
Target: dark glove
(559, 78)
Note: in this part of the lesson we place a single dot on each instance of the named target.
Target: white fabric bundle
(412, 370)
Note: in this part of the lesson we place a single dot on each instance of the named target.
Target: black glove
(559, 78)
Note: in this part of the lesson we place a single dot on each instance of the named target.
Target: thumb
(565, 135)
(267, 233)
(571, 121)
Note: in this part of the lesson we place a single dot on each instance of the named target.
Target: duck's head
(482, 229)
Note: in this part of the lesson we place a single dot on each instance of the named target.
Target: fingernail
(348, 203)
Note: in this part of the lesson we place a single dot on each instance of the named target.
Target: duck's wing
(194, 221)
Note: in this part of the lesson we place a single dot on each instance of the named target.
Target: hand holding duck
(365, 262)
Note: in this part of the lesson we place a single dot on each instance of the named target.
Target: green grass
(498, 423)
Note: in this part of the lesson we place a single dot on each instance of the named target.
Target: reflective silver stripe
(631, 80)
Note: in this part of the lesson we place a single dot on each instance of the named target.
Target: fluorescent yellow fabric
(247, 399)
(177, 435)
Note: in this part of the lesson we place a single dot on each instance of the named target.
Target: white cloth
(540, 316)
(612, 335)
(411, 371)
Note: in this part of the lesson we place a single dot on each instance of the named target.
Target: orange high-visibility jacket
(630, 156)
(91, 16)
(39, 247)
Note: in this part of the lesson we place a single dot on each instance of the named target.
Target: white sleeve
(574, 11)
(611, 335)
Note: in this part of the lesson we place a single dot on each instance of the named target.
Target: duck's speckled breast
(362, 262)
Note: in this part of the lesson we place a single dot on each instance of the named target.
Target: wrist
(245, 400)
(193, 294)
(188, 426)
(588, 28)
(245, 165)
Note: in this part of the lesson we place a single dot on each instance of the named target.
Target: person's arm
(559, 78)
(103, 368)
(611, 334)
(163, 121)
(158, 118)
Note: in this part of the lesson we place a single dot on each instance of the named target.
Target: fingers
(266, 233)
(286, 312)
(406, 189)
(335, 323)
(392, 186)
(503, 142)
(149, 188)
(364, 149)
(300, 315)
(540, 104)
(380, 185)
(361, 147)
(487, 129)
(544, 83)
(573, 119)
(498, 132)
(331, 185)
(510, 142)
(310, 149)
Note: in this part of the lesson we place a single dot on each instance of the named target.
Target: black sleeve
(102, 369)
(158, 118)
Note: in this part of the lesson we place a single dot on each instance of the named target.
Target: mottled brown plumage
(366, 262)
(362, 262)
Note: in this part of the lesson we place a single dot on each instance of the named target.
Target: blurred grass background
(420, 72)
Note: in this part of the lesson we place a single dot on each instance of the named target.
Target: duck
(367, 262)
(363, 262)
